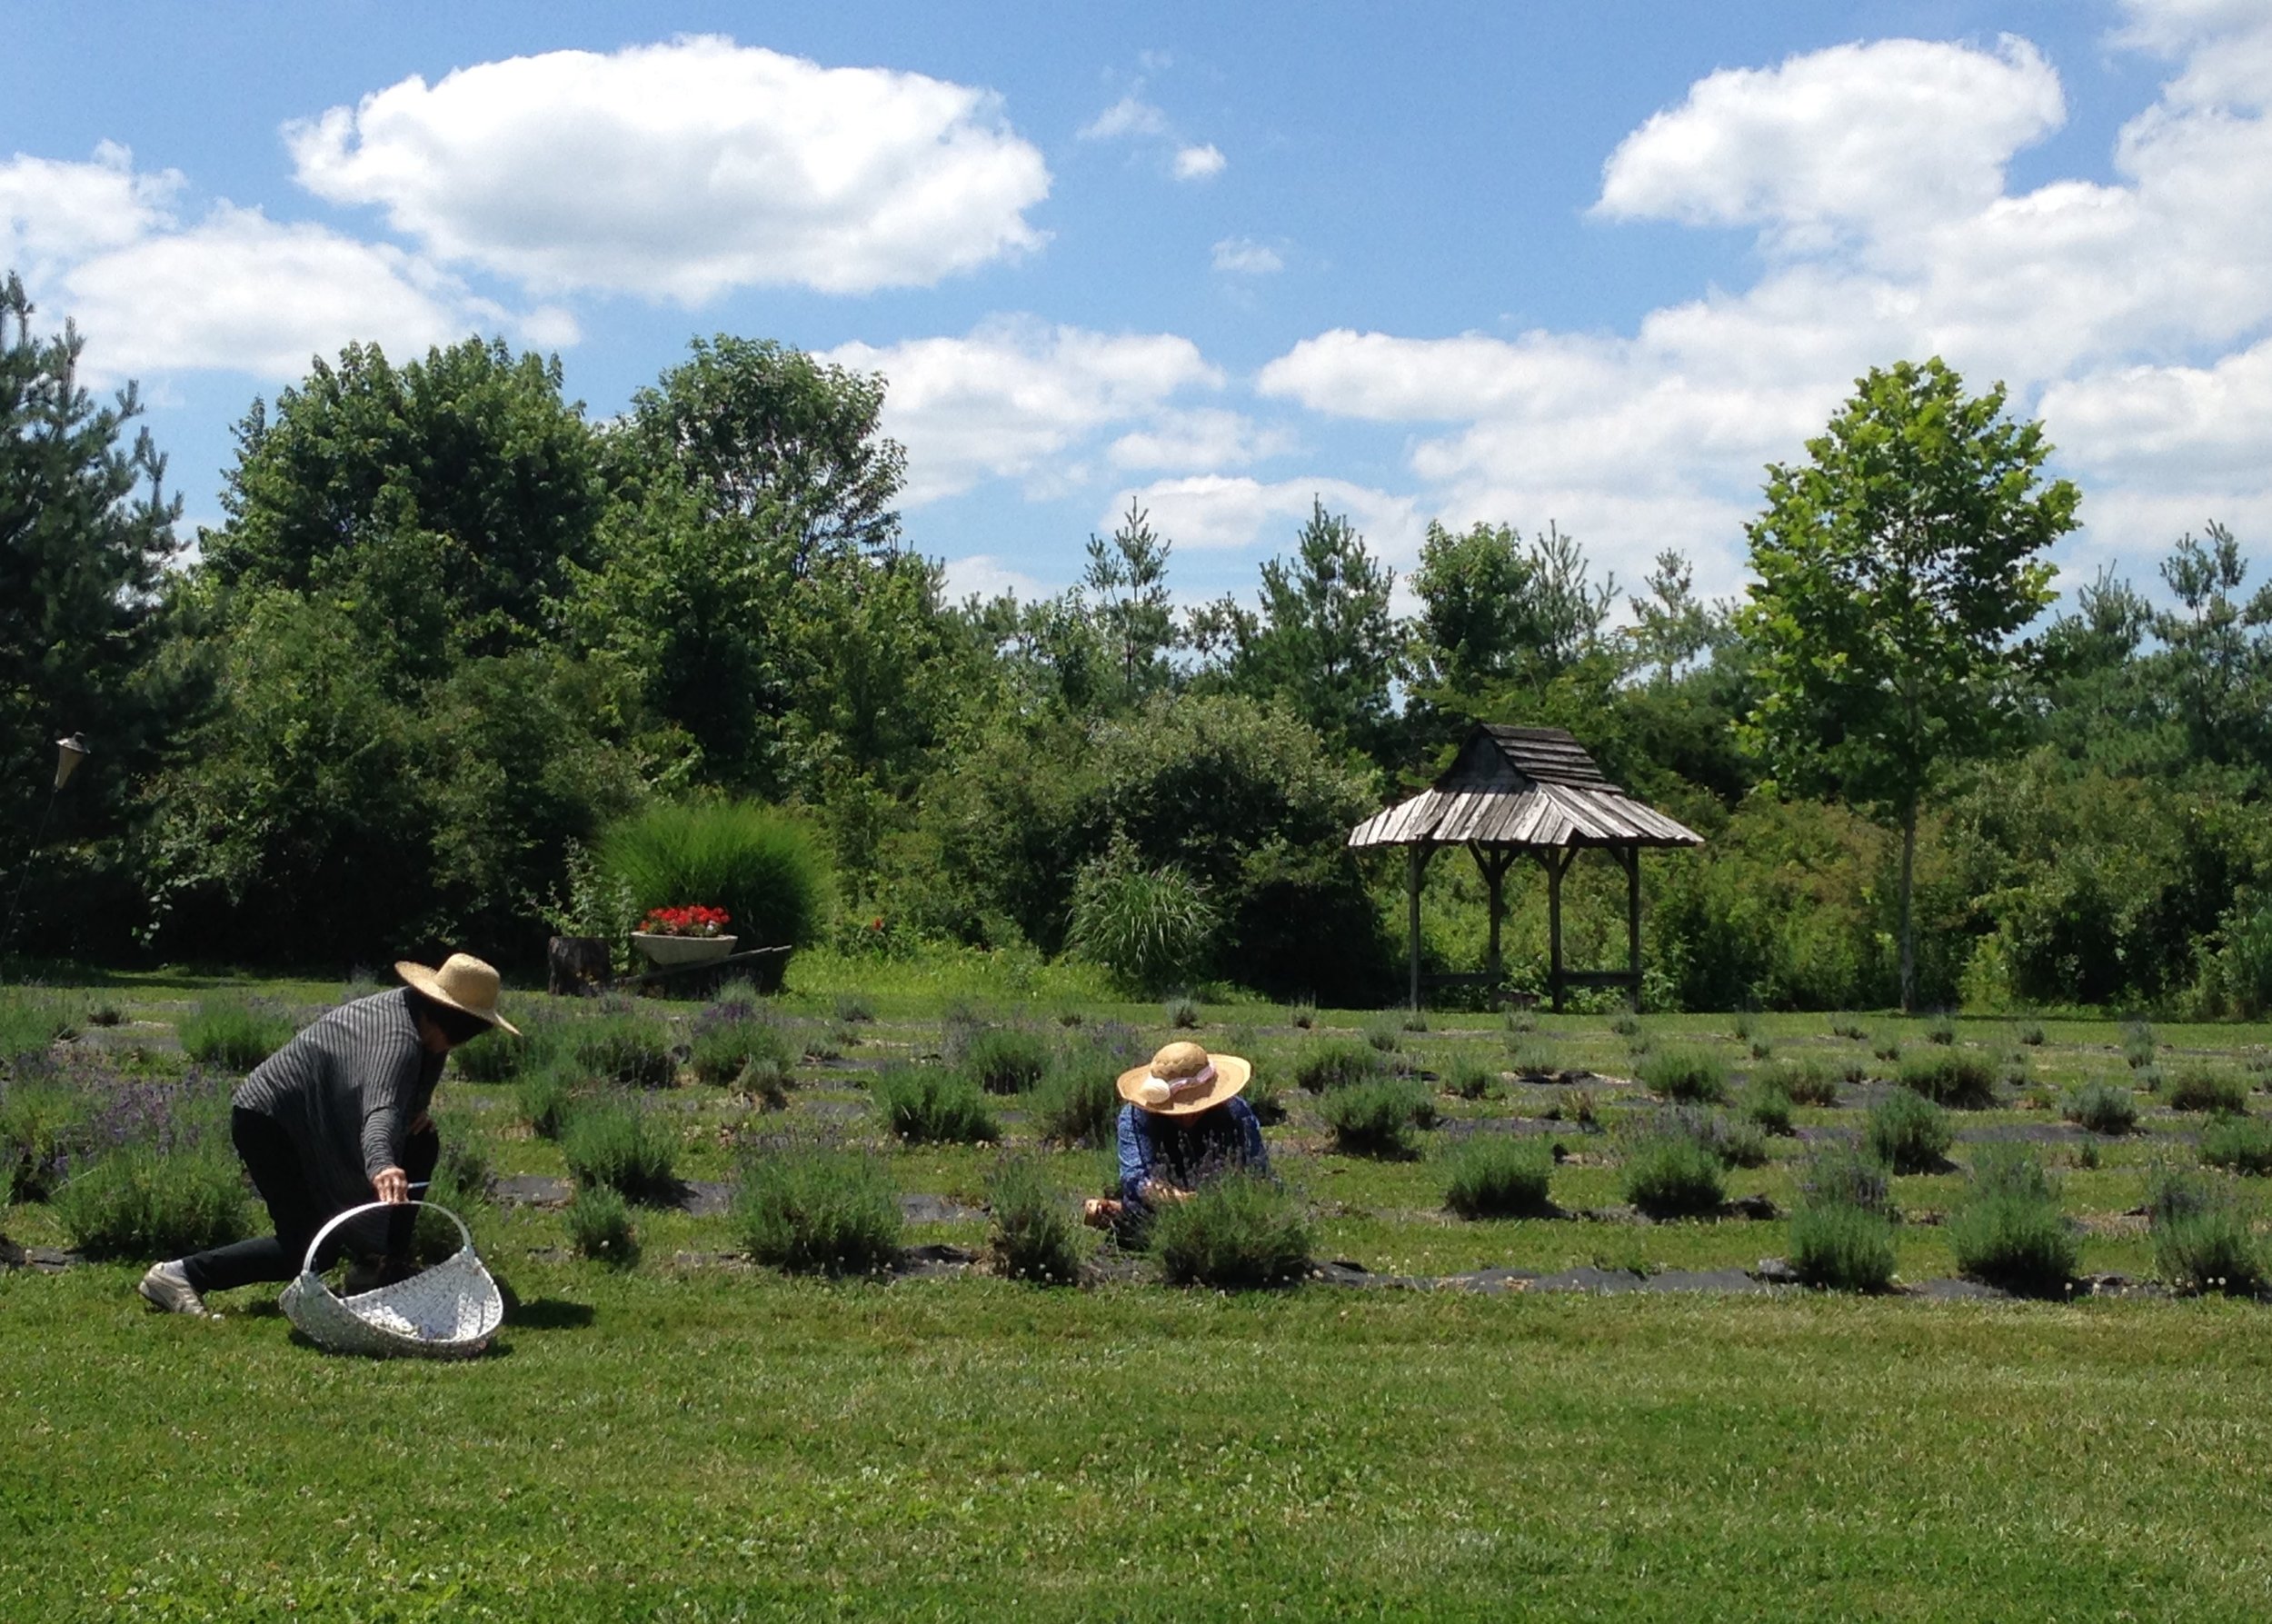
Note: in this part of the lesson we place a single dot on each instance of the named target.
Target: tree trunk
(1908, 925)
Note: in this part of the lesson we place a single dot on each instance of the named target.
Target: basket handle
(324, 1234)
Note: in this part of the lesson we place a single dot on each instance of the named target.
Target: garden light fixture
(69, 753)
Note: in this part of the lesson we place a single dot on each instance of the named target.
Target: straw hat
(464, 982)
(1183, 1080)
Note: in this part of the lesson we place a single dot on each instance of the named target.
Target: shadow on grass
(550, 1313)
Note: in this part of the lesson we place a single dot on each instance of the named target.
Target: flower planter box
(664, 951)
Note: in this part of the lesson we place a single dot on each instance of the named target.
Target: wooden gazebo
(1517, 790)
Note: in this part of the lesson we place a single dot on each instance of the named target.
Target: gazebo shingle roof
(1531, 787)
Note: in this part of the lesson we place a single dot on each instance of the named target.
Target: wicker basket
(448, 1311)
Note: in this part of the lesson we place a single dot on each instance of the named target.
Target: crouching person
(337, 1118)
(1183, 1123)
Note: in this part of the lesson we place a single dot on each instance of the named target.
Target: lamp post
(69, 752)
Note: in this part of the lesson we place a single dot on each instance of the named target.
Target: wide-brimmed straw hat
(1183, 1080)
(465, 983)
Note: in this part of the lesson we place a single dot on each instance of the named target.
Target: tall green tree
(1126, 582)
(1324, 642)
(2215, 663)
(86, 531)
(1894, 567)
(763, 431)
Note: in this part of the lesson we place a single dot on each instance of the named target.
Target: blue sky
(1593, 263)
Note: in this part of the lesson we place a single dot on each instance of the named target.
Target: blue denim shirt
(1177, 1150)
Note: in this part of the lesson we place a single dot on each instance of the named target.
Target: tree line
(451, 627)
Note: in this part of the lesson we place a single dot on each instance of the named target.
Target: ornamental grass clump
(1378, 1117)
(813, 1209)
(1183, 1012)
(2211, 1089)
(1841, 1176)
(1909, 1133)
(1688, 1076)
(1467, 1077)
(1149, 927)
(1839, 1248)
(1809, 1081)
(1958, 1081)
(1002, 1060)
(1531, 1060)
(548, 1095)
(234, 1034)
(1236, 1232)
(624, 1147)
(1033, 1235)
(761, 866)
(1076, 1104)
(1321, 1066)
(2102, 1108)
(1498, 1175)
(144, 1202)
(599, 1228)
(934, 1105)
(1768, 1108)
(2238, 1144)
(631, 1052)
(2202, 1239)
(1384, 1036)
(1303, 1015)
(731, 1048)
(1668, 1174)
(2007, 1230)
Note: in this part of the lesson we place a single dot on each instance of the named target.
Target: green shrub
(1467, 1077)
(1303, 1015)
(934, 1105)
(461, 1174)
(600, 1227)
(751, 1053)
(1498, 1175)
(1958, 1081)
(233, 1034)
(1378, 1117)
(1941, 1030)
(622, 1146)
(1762, 1049)
(2031, 1034)
(38, 1117)
(2009, 1231)
(1842, 1248)
(1530, 1058)
(1235, 1232)
(2138, 1044)
(1384, 1037)
(1336, 1063)
(496, 1056)
(2102, 1108)
(2207, 1088)
(1003, 1060)
(1768, 1108)
(1848, 1027)
(1690, 1076)
(852, 1010)
(1886, 1048)
(142, 1202)
(1077, 1103)
(1413, 1020)
(628, 1050)
(1033, 1236)
(1183, 1013)
(1627, 1024)
(31, 1022)
(817, 1209)
(1839, 1176)
(763, 867)
(1805, 1081)
(2214, 1250)
(2172, 1193)
(2242, 1144)
(1671, 1175)
(1266, 1096)
(1909, 1132)
(547, 1095)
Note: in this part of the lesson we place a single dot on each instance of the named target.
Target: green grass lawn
(699, 1439)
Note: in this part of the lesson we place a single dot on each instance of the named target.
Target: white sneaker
(166, 1286)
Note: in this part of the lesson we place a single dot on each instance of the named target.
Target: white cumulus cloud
(1131, 115)
(1239, 256)
(1211, 511)
(1016, 397)
(1199, 162)
(683, 170)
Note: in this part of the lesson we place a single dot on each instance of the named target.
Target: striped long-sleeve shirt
(345, 1091)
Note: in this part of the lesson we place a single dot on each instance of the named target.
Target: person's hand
(393, 1185)
(1100, 1214)
(1158, 1193)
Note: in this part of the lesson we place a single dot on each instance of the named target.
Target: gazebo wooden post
(1632, 855)
(1416, 860)
(1557, 863)
(1493, 866)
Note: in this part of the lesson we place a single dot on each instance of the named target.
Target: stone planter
(665, 951)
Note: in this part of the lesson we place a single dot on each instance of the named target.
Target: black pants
(294, 1209)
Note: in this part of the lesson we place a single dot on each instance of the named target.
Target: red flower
(691, 920)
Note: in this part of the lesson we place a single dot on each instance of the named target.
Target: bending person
(337, 1117)
(1184, 1124)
